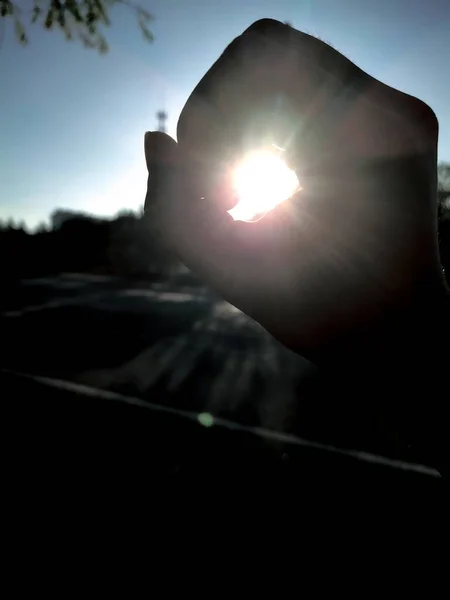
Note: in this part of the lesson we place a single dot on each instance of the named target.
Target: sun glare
(262, 181)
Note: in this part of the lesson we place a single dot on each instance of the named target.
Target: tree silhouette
(77, 19)
(444, 185)
(444, 217)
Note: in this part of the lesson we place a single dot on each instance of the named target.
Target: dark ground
(169, 344)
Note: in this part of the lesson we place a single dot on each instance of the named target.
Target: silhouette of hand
(349, 260)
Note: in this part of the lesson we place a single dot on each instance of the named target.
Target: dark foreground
(170, 342)
(116, 384)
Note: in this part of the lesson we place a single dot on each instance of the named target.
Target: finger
(160, 149)
(160, 156)
(202, 233)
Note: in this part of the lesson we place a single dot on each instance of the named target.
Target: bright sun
(261, 181)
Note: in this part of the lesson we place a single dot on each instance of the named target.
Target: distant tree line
(125, 246)
(444, 216)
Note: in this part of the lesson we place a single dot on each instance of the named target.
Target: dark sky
(72, 122)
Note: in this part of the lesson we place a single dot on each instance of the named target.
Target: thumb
(198, 228)
(160, 156)
(159, 149)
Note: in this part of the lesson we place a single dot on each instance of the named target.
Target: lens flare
(262, 181)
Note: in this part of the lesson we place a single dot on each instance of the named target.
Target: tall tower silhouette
(161, 115)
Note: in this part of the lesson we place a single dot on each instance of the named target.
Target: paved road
(171, 342)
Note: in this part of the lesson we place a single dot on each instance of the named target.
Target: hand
(351, 261)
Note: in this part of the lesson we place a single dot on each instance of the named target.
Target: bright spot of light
(205, 419)
(262, 181)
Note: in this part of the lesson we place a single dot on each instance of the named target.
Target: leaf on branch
(87, 40)
(49, 18)
(36, 13)
(103, 45)
(6, 9)
(20, 32)
(67, 32)
(102, 12)
(146, 33)
(144, 18)
(72, 8)
(144, 14)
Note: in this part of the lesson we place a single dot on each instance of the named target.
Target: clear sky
(72, 122)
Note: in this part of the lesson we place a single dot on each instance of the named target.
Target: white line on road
(259, 431)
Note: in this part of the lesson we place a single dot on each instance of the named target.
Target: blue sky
(72, 122)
